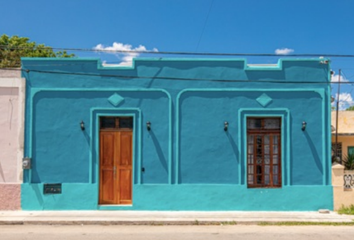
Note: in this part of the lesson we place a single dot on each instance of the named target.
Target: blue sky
(224, 26)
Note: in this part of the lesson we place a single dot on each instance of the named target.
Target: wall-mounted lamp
(226, 126)
(303, 126)
(82, 125)
(148, 126)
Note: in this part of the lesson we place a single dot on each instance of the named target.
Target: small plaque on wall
(52, 188)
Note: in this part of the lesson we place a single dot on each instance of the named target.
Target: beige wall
(341, 195)
(12, 92)
(346, 142)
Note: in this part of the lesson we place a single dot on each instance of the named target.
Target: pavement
(103, 217)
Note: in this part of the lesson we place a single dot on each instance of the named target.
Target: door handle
(115, 170)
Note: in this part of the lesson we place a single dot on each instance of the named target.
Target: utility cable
(205, 22)
(174, 78)
(189, 53)
(349, 94)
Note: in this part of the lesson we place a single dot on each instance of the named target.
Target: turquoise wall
(190, 162)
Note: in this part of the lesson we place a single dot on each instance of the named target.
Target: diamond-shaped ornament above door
(264, 100)
(115, 99)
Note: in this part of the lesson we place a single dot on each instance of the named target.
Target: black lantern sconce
(303, 126)
(82, 125)
(148, 126)
(226, 126)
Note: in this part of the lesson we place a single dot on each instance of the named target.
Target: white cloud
(283, 51)
(126, 57)
(345, 100)
(335, 78)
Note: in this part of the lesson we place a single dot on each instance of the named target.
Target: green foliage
(228, 223)
(306, 224)
(351, 108)
(346, 210)
(15, 47)
(348, 162)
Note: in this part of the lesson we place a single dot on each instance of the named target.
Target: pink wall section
(10, 196)
(9, 134)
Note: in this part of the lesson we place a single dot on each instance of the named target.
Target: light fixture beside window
(82, 125)
(226, 126)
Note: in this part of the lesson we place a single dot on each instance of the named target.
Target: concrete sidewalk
(164, 217)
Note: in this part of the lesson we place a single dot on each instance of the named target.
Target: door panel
(108, 142)
(107, 176)
(125, 167)
(125, 149)
(125, 190)
(115, 167)
(107, 187)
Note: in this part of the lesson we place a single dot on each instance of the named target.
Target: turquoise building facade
(206, 134)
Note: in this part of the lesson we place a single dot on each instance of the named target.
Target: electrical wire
(187, 53)
(205, 22)
(345, 76)
(349, 95)
(174, 78)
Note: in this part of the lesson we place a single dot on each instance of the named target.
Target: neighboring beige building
(12, 95)
(343, 186)
(345, 132)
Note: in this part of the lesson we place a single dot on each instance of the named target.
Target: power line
(349, 77)
(176, 78)
(206, 20)
(186, 53)
(349, 94)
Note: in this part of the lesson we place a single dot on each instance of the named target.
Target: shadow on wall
(37, 191)
(159, 151)
(87, 137)
(234, 146)
(2, 173)
(236, 152)
(259, 75)
(149, 85)
(314, 152)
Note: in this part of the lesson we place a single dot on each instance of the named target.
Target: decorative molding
(284, 114)
(319, 91)
(264, 100)
(34, 91)
(348, 180)
(115, 99)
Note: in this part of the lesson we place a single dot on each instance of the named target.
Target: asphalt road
(96, 232)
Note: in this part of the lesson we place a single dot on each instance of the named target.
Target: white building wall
(12, 92)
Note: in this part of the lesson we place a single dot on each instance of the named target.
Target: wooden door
(115, 167)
